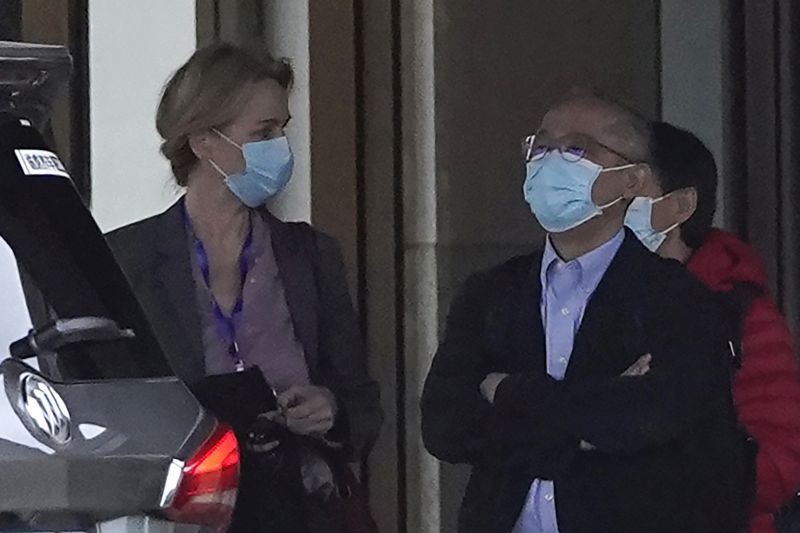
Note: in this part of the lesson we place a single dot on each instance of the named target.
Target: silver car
(96, 434)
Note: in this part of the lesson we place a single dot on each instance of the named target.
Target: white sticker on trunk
(40, 163)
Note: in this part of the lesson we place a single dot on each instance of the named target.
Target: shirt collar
(591, 265)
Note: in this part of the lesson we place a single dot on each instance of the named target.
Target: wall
(133, 48)
(286, 34)
(692, 77)
(497, 71)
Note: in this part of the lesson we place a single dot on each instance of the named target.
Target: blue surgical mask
(639, 219)
(560, 191)
(268, 168)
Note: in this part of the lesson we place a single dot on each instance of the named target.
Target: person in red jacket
(676, 222)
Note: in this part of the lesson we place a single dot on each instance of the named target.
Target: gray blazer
(154, 254)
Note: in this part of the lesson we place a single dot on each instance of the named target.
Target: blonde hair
(208, 91)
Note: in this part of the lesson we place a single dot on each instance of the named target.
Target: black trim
(735, 134)
(217, 23)
(80, 130)
(399, 262)
(777, 49)
(10, 20)
(360, 162)
(361, 199)
(659, 64)
(258, 13)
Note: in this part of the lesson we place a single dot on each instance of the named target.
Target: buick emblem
(45, 408)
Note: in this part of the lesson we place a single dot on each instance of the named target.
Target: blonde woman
(228, 287)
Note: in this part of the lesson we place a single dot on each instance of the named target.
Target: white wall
(287, 30)
(134, 46)
(691, 74)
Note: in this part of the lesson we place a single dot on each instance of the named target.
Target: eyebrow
(266, 121)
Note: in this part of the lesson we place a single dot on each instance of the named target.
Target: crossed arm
(469, 413)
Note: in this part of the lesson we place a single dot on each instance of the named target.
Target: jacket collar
(612, 307)
(174, 267)
(295, 255)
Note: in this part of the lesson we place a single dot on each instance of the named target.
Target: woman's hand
(307, 410)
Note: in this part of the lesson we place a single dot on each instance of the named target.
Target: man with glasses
(587, 385)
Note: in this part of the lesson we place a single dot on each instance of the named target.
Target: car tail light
(206, 493)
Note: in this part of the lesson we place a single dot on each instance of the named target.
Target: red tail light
(208, 484)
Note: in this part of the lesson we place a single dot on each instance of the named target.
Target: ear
(200, 145)
(636, 180)
(686, 200)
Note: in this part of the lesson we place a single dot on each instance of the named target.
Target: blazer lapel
(527, 331)
(296, 269)
(608, 321)
(176, 291)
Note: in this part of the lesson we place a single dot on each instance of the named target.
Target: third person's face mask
(639, 218)
(560, 191)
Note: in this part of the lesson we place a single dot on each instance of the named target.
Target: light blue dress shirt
(566, 289)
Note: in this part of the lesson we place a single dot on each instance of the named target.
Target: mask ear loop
(662, 197)
(229, 140)
(216, 167)
(609, 204)
(611, 169)
(619, 167)
(215, 130)
(654, 201)
(669, 229)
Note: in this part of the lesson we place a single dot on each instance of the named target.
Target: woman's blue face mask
(268, 169)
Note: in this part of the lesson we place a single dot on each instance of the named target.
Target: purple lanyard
(226, 324)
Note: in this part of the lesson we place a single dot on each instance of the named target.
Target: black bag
(271, 497)
(739, 300)
(736, 304)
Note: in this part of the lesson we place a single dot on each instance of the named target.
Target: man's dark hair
(680, 160)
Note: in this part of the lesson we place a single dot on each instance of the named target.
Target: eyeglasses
(572, 151)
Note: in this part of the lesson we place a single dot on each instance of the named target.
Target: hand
(263, 435)
(263, 448)
(307, 410)
(640, 367)
(490, 384)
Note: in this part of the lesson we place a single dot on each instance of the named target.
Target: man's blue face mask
(639, 218)
(560, 191)
(268, 169)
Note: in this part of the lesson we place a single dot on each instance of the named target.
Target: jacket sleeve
(627, 414)
(458, 424)
(767, 397)
(343, 354)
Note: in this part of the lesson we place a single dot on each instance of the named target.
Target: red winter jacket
(766, 389)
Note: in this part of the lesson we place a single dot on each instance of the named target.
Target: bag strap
(306, 238)
(740, 299)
